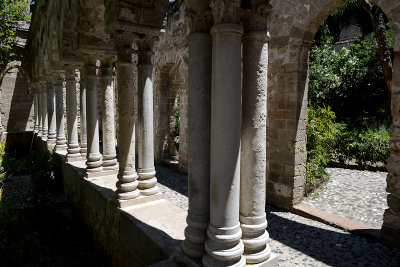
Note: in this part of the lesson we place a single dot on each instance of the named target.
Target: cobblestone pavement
(299, 241)
(355, 195)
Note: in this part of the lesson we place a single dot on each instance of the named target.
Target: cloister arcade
(241, 68)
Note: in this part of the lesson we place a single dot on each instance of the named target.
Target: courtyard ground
(304, 242)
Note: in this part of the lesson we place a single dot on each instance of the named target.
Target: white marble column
(108, 124)
(253, 162)
(199, 117)
(39, 98)
(52, 134)
(61, 143)
(36, 109)
(224, 246)
(45, 120)
(127, 185)
(83, 114)
(72, 115)
(94, 158)
(146, 171)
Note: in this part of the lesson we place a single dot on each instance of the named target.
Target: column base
(211, 262)
(100, 173)
(184, 260)
(138, 200)
(272, 261)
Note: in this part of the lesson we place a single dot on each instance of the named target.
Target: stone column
(224, 246)
(94, 158)
(83, 128)
(253, 156)
(127, 185)
(45, 120)
(61, 143)
(108, 124)
(147, 180)
(72, 115)
(199, 117)
(36, 108)
(39, 98)
(51, 108)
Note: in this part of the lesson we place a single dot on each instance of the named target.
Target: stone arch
(291, 34)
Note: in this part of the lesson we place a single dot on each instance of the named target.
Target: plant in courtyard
(10, 12)
(321, 132)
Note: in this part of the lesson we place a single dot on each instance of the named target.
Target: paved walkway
(300, 241)
(355, 195)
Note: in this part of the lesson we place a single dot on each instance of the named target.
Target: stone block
(393, 184)
(394, 204)
(391, 235)
(391, 220)
(393, 164)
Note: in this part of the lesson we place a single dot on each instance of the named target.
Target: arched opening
(288, 101)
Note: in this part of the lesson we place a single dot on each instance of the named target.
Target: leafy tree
(10, 12)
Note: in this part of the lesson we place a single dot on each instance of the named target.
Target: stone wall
(16, 102)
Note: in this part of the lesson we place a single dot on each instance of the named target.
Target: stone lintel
(136, 201)
(133, 28)
(91, 50)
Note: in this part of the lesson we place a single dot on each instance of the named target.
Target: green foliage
(321, 133)
(177, 114)
(10, 11)
(366, 146)
(350, 81)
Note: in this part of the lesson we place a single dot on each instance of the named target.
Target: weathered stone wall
(170, 78)
(16, 102)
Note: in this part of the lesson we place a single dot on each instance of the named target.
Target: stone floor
(300, 241)
(353, 194)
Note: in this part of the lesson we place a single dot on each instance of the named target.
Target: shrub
(321, 132)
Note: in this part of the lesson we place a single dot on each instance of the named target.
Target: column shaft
(199, 117)
(127, 177)
(253, 156)
(109, 152)
(223, 245)
(94, 158)
(39, 98)
(72, 116)
(45, 120)
(61, 143)
(36, 112)
(146, 170)
(52, 112)
(83, 115)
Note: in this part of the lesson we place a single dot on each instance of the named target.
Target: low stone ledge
(139, 235)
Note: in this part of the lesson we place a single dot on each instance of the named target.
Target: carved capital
(200, 22)
(225, 11)
(145, 51)
(255, 18)
(124, 43)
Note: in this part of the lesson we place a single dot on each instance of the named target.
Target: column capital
(256, 16)
(124, 42)
(199, 22)
(225, 11)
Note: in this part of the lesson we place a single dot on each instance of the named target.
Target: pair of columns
(131, 184)
(227, 147)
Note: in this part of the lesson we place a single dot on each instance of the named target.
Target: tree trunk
(378, 20)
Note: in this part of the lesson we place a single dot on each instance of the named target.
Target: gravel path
(300, 241)
(355, 195)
